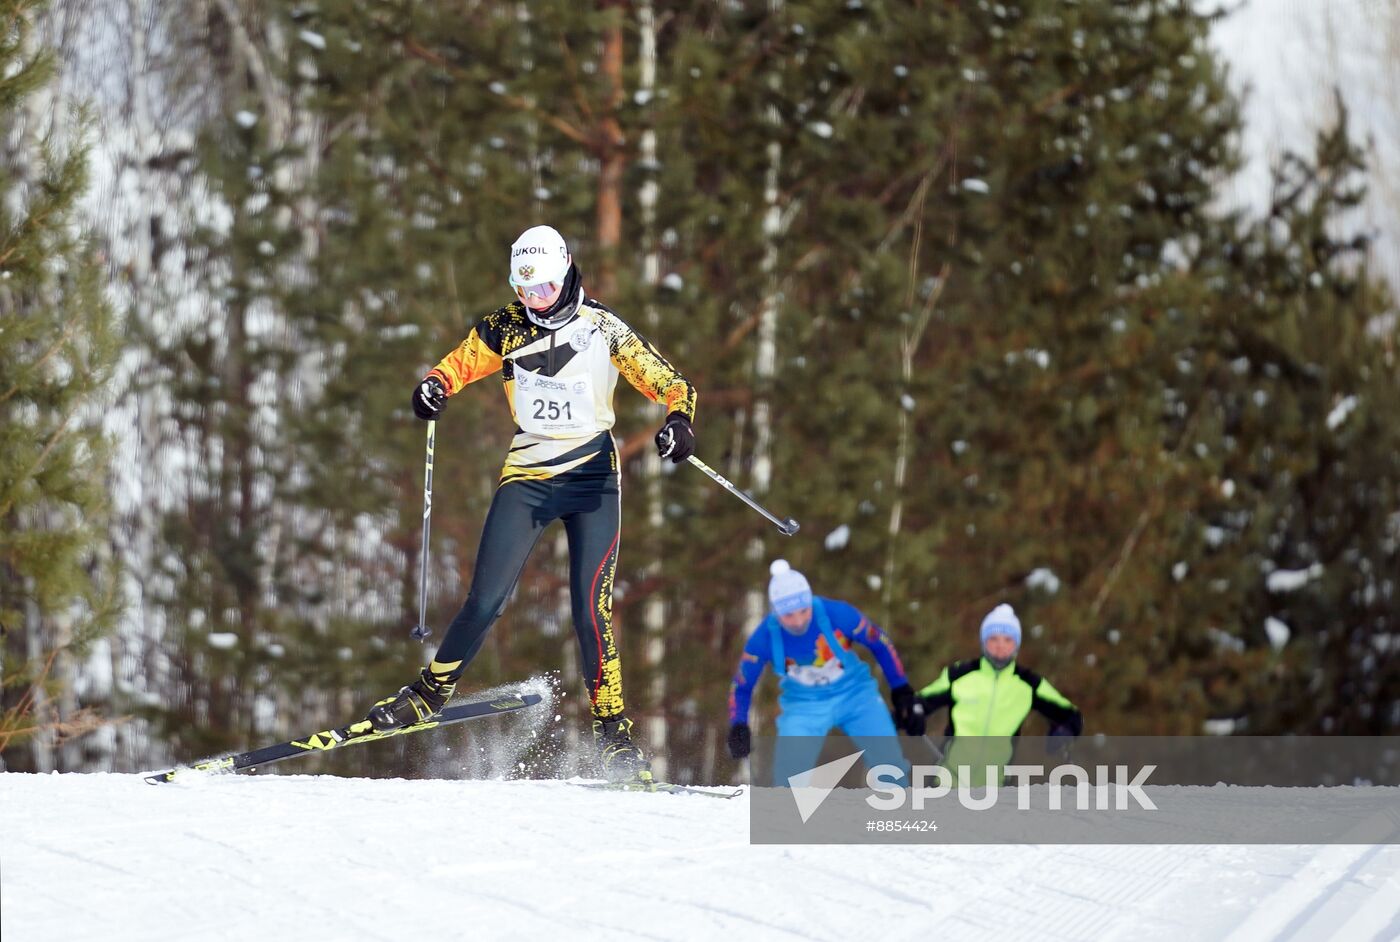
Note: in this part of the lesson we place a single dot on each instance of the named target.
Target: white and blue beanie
(788, 590)
(1002, 621)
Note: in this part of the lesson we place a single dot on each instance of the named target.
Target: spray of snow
(534, 743)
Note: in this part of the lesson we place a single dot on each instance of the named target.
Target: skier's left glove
(676, 440)
(908, 712)
(1058, 740)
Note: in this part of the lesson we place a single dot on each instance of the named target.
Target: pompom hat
(788, 589)
(1002, 620)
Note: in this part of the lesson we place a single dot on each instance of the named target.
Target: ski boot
(623, 762)
(419, 701)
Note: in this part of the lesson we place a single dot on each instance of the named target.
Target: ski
(663, 787)
(353, 734)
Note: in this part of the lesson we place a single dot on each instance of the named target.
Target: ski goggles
(545, 291)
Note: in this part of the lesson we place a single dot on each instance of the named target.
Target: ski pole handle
(421, 630)
(787, 527)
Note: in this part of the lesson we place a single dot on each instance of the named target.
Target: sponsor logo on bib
(581, 339)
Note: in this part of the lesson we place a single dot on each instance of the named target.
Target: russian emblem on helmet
(539, 255)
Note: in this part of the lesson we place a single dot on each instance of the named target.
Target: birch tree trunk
(654, 613)
(766, 347)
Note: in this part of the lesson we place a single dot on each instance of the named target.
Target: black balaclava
(564, 307)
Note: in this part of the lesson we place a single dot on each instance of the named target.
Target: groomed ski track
(108, 857)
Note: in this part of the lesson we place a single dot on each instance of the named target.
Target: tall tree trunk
(654, 613)
(610, 145)
(766, 347)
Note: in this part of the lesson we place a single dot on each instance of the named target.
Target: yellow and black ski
(360, 732)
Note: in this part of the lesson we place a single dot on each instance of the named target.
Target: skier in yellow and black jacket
(559, 353)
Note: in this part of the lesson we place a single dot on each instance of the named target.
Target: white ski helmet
(539, 255)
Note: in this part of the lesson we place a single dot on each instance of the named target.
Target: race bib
(810, 675)
(554, 407)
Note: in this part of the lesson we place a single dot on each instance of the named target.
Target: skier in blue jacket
(824, 685)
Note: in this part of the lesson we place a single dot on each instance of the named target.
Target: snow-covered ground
(108, 857)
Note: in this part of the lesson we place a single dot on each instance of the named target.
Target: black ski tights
(588, 500)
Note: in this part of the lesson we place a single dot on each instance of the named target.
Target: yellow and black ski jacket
(560, 382)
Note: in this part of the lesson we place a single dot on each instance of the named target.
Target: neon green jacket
(987, 707)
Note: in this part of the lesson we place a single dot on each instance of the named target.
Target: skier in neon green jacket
(989, 698)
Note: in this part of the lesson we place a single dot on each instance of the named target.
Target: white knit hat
(1002, 620)
(788, 590)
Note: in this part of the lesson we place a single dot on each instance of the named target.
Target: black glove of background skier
(1057, 741)
(908, 712)
(676, 440)
(429, 398)
(740, 741)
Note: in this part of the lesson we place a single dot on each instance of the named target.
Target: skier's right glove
(429, 398)
(740, 741)
(908, 712)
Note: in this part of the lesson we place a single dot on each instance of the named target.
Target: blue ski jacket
(817, 658)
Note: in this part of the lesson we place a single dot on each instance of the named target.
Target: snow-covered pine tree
(58, 344)
(1292, 383)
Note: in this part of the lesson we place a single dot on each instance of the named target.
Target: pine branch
(49, 446)
(68, 331)
(572, 132)
(19, 723)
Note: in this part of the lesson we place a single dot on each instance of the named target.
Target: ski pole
(788, 527)
(421, 630)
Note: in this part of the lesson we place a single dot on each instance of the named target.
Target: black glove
(908, 712)
(1059, 739)
(740, 742)
(429, 398)
(676, 440)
